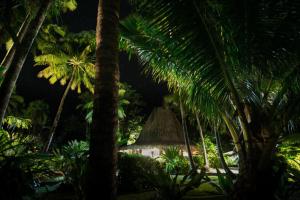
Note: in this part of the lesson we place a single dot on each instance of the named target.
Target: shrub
(211, 152)
(174, 162)
(171, 187)
(287, 168)
(19, 166)
(131, 172)
(71, 160)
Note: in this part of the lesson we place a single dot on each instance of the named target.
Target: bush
(174, 187)
(137, 174)
(211, 152)
(287, 168)
(131, 172)
(174, 162)
(287, 178)
(213, 157)
(19, 166)
(71, 160)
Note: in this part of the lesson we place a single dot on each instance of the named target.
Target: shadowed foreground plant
(131, 170)
(19, 166)
(170, 187)
(71, 160)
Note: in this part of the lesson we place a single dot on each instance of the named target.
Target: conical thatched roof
(161, 128)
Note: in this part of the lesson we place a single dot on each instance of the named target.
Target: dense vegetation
(232, 70)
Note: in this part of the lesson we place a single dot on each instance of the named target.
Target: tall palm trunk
(58, 114)
(186, 136)
(21, 53)
(221, 156)
(256, 179)
(101, 178)
(206, 161)
(6, 62)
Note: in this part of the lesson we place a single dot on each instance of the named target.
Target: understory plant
(71, 161)
(172, 187)
(131, 171)
(20, 166)
(211, 152)
(174, 162)
(287, 168)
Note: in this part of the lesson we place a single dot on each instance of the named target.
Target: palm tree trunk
(206, 161)
(256, 178)
(101, 178)
(186, 136)
(21, 53)
(221, 156)
(254, 182)
(58, 114)
(6, 62)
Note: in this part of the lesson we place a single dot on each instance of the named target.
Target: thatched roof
(161, 128)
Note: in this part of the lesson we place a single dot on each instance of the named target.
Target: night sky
(84, 18)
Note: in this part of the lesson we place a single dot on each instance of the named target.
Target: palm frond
(63, 53)
(201, 84)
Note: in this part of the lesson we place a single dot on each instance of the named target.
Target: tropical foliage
(20, 165)
(175, 163)
(232, 68)
(71, 160)
(129, 113)
(67, 56)
(131, 171)
(38, 112)
(214, 56)
(211, 151)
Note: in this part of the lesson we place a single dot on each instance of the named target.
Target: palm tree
(220, 153)
(101, 178)
(177, 101)
(68, 58)
(15, 12)
(14, 15)
(21, 53)
(6, 62)
(24, 42)
(195, 42)
(206, 161)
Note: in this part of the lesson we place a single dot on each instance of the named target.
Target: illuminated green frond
(63, 52)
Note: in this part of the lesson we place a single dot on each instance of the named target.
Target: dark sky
(84, 18)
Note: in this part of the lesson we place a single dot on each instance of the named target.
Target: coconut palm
(101, 178)
(68, 59)
(237, 77)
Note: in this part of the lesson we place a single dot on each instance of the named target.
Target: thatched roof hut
(161, 128)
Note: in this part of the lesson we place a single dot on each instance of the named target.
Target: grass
(204, 192)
